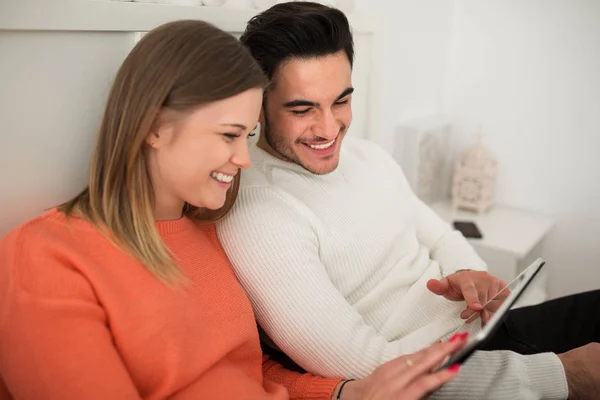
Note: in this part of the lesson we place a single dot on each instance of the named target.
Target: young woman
(124, 292)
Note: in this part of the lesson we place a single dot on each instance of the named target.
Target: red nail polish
(464, 335)
(455, 337)
(454, 368)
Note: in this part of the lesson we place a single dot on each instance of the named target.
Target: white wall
(528, 73)
(53, 86)
(414, 57)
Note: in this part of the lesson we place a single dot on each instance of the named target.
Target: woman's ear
(163, 128)
(152, 139)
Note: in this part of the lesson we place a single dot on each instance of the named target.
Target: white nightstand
(512, 239)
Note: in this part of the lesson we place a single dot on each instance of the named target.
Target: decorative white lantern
(474, 180)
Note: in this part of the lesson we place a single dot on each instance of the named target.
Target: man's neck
(264, 144)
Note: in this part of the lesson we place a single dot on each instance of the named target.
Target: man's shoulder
(261, 210)
(260, 198)
(254, 177)
(259, 177)
(366, 154)
(363, 148)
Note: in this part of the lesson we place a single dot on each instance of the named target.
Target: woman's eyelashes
(231, 136)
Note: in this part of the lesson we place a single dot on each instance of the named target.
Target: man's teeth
(221, 177)
(321, 146)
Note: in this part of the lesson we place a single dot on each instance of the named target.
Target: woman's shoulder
(53, 225)
(45, 246)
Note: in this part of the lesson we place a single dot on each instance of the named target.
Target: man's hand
(582, 368)
(474, 287)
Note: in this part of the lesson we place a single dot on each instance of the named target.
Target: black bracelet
(341, 387)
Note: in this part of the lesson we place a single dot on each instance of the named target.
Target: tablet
(522, 282)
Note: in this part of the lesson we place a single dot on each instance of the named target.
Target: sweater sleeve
(54, 338)
(447, 246)
(301, 386)
(275, 254)
(500, 375)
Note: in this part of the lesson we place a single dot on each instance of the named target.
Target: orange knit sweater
(80, 319)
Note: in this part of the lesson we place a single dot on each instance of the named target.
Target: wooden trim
(97, 15)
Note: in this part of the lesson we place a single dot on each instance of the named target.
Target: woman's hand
(407, 377)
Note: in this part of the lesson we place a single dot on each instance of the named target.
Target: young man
(345, 267)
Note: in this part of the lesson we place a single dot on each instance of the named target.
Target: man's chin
(323, 167)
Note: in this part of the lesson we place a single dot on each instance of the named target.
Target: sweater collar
(264, 160)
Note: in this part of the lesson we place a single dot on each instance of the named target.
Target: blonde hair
(177, 66)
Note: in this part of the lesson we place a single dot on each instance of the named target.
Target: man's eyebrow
(308, 103)
(300, 103)
(345, 93)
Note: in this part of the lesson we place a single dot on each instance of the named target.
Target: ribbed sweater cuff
(547, 376)
(313, 388)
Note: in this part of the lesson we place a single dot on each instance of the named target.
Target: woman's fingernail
(454, 368)
(464, 335)
(455, 337)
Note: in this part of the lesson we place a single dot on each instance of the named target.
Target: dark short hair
(297, 30)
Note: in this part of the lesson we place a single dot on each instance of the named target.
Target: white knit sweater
(336, 265)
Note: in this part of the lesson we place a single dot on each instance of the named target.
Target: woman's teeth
(221, 177)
